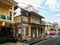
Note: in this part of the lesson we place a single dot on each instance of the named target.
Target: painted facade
(7, 11)
(6, 18)
(48, 26)
(29, 25)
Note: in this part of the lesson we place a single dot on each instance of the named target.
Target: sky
(50, 9)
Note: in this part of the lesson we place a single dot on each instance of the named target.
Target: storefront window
(4, 32)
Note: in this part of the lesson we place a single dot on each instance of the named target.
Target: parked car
(52, 32)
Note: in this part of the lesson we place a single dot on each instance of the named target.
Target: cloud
(29, 2)
(58, 21)
(58, 15)
(53, 5)
(25, 3)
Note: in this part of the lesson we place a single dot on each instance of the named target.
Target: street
(53, 41)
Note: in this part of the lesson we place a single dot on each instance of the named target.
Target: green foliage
(59, 29)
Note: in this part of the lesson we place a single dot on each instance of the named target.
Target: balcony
(4, 17)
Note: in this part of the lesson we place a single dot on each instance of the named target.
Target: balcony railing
(5, 17)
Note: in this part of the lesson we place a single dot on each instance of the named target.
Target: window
(9, 18)
(10, 11)
(27, 31)
(2, 16)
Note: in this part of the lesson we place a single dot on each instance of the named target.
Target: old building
(28, 25)
(48, 25)
(6, 18)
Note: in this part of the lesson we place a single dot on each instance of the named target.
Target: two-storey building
(48, 25)
(6, 17)
(28, 25)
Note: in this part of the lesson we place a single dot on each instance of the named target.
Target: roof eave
(13, 2)
(36, 14)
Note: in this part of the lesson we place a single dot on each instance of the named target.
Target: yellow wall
(4, 10)
(17, 19)
(35, 19)
(48, 27)
(25, 18)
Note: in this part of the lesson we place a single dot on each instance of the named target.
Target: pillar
(13, 30)
(24, 32)
(37, 33)
(12, 13)
(29, 31)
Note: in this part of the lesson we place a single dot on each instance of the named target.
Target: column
(29, 31)
(24, 32)
(13, 30)
(43, 33)
(37, 32)
(12, 13)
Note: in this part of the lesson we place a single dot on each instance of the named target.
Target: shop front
(36, 31)
(5, 31)
(33, 32)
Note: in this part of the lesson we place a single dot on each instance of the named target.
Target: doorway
(5, 33)
(33, 32)
(19, 32)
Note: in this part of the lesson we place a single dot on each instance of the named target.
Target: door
(33, 32)
(19, 32)
(5, 33)
(39, 32)
(27, 31)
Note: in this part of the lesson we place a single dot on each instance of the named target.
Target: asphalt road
(52, 41)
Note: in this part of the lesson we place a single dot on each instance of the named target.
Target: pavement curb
(30, 43)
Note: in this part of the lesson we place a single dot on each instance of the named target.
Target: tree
(58, 29)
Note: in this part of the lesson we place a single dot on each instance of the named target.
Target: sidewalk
(31, 42)
(26, 42)
(9, 43)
